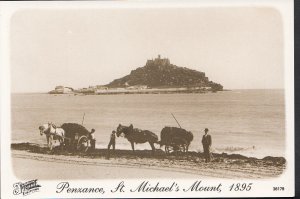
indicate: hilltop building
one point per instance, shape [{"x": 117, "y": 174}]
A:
[{"x": 158, "y": 61}]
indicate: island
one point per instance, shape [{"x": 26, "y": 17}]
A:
[{"x": 157, "y": 76}]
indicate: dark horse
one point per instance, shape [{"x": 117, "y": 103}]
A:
[{"x": 134, "y": 135}]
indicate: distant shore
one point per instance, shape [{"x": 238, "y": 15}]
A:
[
  {"x": 124, "y": 162},
  {"x": 114, "y": 91}
]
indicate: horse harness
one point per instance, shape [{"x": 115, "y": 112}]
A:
[{"x": 55, "y": 134}]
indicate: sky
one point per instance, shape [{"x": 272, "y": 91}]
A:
[{"x": 238, "y": 47}]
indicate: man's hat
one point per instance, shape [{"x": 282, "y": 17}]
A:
[
  {"x": 206, "y": 129},
  {"x": 93, "y": 130}
]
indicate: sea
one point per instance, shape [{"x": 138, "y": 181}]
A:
[{"x": 247, "y": 122}]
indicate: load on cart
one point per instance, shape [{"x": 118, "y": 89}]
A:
[
  {"x": 77, "y": 137},
  {"x": 175, "y": 139}
]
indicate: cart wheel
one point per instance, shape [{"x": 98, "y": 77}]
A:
[
  {"x": 183, "y": 148},
  {"x": 169, "y": 149},
  {"x": 83, "y": 144}
]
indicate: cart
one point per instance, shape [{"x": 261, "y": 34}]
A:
[
  {"x": 76, "y": 137},
  {"x": 175, "y": 139},
  {"x": 176, "y": 144}
]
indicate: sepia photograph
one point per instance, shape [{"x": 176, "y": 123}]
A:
[{"x": 146, "y": 91}]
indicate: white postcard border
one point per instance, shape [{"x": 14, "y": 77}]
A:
[{"x": 48, "y": 188}]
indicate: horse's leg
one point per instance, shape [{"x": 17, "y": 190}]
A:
[
  {"x": 50, "y": 141},
  {"x": 61, "y": 143},
  {"x": 132, "y": 145}
]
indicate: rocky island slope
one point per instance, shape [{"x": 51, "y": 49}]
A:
[{"x": 160, "y": 73}]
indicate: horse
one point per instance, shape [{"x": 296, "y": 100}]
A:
[
  {"x": 134, "y": 135},
  {"x": 52, "y": 133}
]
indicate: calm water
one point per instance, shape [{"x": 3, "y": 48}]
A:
[{"x": 238, "y": 120}]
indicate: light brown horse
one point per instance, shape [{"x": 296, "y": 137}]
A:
[{"x": 134, "y": 135}]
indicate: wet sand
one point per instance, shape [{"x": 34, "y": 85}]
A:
[
  {"x": 34, "y": 161},
  {"x": 83, "y": 168}
]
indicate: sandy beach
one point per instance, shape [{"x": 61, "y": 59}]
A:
[{"x": 141, "y": 164}]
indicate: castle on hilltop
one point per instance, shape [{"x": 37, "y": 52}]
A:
[{"x": 158, "y": 61}]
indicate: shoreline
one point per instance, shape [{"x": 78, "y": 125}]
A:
[
  {"x": 181, "y": 164},
  {"x": 146, "y": 91}
]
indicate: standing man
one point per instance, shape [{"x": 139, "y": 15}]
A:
[
  {"x": 206, "y": 142},
  {"x": 92, "y": 139},
  {"x": 112, "y": 141}
]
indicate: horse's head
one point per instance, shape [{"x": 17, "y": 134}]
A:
[
  {"x": 120, "y": 130},
  {"x": 43, "y": 128},
  {"x": 123, "y": 129}
]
